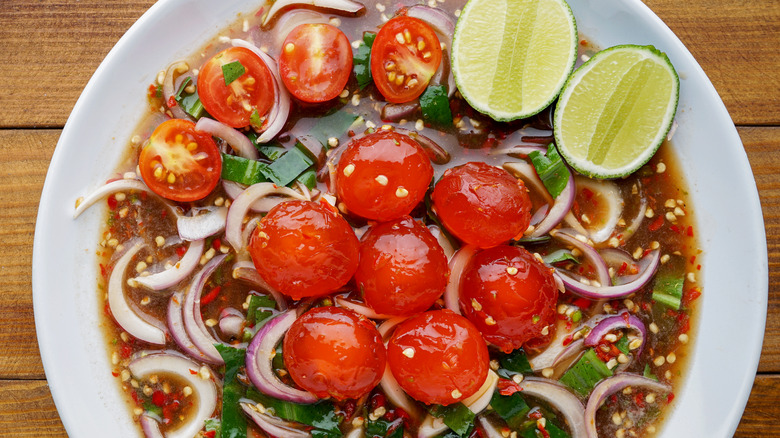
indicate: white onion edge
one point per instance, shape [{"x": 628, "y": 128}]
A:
[
  {"x": 176, "y": 273},
  {"x": 269, "y": 424},
  {"x": 589, "y": 252},
  {"x": 457, "y": 265},
  {"x": 561, "y": 399},
  {"x": 237, "y": 141},
  {"x": 203, "y": 225},
  {"x": 348, "y": 6},
  {"x": 108, "y": 189},
  {"x": 245, "y": 270},
  {"x": 360, "y": 309},
  {"x": 192, "y": 317}
]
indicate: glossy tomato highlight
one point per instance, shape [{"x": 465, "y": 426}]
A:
[
  {"x": 304, "y": 249},
  {"x": 510, "y": 296}
]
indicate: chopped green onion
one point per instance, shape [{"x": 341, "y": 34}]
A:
[
  {"x": 258, "y": 310},
  {"x": 586, "y": 373},
  {"x": 308, "y": 178},
  {"x": 516, "y": 362},
  {"x": 158, "y": 92},
  {"x": 232, "y": 71},
  {"x": 289, "y": 166},
  {"x": 456, "y": 416},
  {"x": 192, "y": 105},
  {"x": 380, "y": 428},
  {"x": 513, "y": 408},
  {"x": 333, "y": 125},
  {"x": 561, "y": 255},
  {"x": 361, "y": 62},
  {"x": 255, "y": 119},
  {"x": 233, "y": 423},
  {"x": 183, "y": 85},
  {"x": 668, "y": 291},
  {"x": 321, "y": 415},
  {"x": 243, "y": 170},
  {"x": 649, "y": 374},
  {"x": 435, "y": 105},
  {"x": 551, "y": 170},
  {"x": 622, "y": 344},
  {"x": 272, "y": 151}
]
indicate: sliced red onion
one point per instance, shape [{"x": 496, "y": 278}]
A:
[
  {"x": 120, "y": 185},
  {"x": 262, "y": 205},
  {"x": 523, "y": 150},
  {"x": 169, "y": 91},
  {"x": 560, "y": 208},
  {"x": 615, "y": 258},
  {"x": 617, "y": 291},
  {"x": 610, "y": 194},
  {"x": 315, "y": 148},
  {"x": 193, "y": 319},
  {"x": 237, "y": 141},
  {"x": 241, "y": 205},
  {"x": 347, "y": 6},
  {"x": 245, "y": 270},
  {"x": 129, "y": 320},
  {"x": 393, "y": 112},
  {"x": 197, "y": 377},
  {"x": 539, "y": 215},
  {"x": 176, "y": 274},
  {"x": 636, "y": 221},
  {"x": 436, "y": 153},
  {"x": 527, "y": 173},
  {"x": 431, "y": 427},
  {"x": 480, "y": 400},
  {"x": 444, "y": 242},
  {"x": 150, "y": 426},
  {"x": 274, "y": 426},
  {"x": 490, "y": 430},
  {"x": 398, "y": 396},
  {"x": 361, "y": 309},
  {"x": 278, "y": 114},
  {"x": 261, "y": 352},
  {"x": 610, "y": 386},
  {"x": 178, "y": 333},
  {"x": 457, "y": 265},
  {"x": 387, "y": 326},
  {"x": 556, "y": 352},
  {"x": 561, "y": 399},
  {"x": 623, "y": 320},
  {"x": 203, "y": 225},
  {"x": 590, "y": 253},
  {"x": 231, "y": 321}
]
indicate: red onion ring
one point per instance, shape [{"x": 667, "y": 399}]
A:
[
  {"x": 398, "y": 396},
  {"x": 561, "y": 399},
  {"x": 262, "y": 205},
  {"x": 292, "y": 19},
  {"x": 431, "y": 427},
  {"x": 436, "y": 153},
  {"x": 386, "y": 327},
  {"x": 609, "y": 386},
  {"x": 360, "y": 309},
  {"x": 150, "y": 426},
  {"x": 120, "y": 185},
  {"x": 259, "y": 355},
  {"x": 239, "y": 142},
  {"x": 347, "y": 6},
  {"x": 130, "y": 321},
  {"x": 193, "y": 319},
  {"x": 444, "y": 242},
  {"x": 489, "y": 428},
  {"x": 176, "y": 274},
  {"x": 616, "y": 257},
  {"x": 203, "y": 225},
  {"x": 636, "y": 221},
  {"x": 617, "y": 291},
  {"x": 480, "y": 400},
  {"x": 169, "y": 91},
  {"x": 393, "y": 112},
  {"x": 278, "y": 114},
  {"x": 231, "y": 321},
  {"x": 204, "y": 389},
  {"x": 623, "y": 320},
  {"x": 590, "y": 253},
  {"x": 457, "y": 265},
  {"x": 272, "y": 425},
  {"x": 245, "y": 270},
  {"x": 611, "y": 194},
  {"x": 178, "y": 333}
]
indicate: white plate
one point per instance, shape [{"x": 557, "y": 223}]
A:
[{"x": 723, "y": 194}]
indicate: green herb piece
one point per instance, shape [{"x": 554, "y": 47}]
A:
[
  {"x": 183, "y": 85},
  {"x": 456, "y": 416},
  {"x": 232, "y": 71},
  {"x": 561, "y": 255},
  {"x": 551, "y": 170},
  {"x": 531, "y": 240},
  {"x": 382, "y": 428},
  {"x": 321, "y": 415},
  {"x": 153, "y": 408},
  {"x": 435, "y": 105},
  {"x": 361, "y": 62},
  {"x": 668, "y": 291},
  {"x": 333, "y": 125},
  {"x": 586, "y": 373},
  {"x": 213, "y": 424},
  {"x": 192, "y": 105},
  {"x": 259, "y": 308},
  {"x": 516, "y": 362},
  {"x": 308, "y": 178},
  {"x": 272, "y": 151},
  {"x": 233, "y": 419},
  {"x": 648, "y": 373},
  {"x": 255, "y": 119},
  {"x": 289, "y": 166},
  {"x": 576, "y": 316},
  {"x": 622, "y": 344},
  {"x": 158, "y": 92},
  {"x": 555, "y": 431},
  {"x": 513, "y": 408},
  {"x": 243, "y": 170}
]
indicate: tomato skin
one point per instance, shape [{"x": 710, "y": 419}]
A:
[
  {"x": 234, "y": 104},
  {"x": 481, "y": 204},
  {"x": 402, "y": 268},
  {"x": 383, "y": 176},
  {"x": 303, "y": 249},
  {"x": 449, "y": 357},
  {"x": 168, "y": 165},
  {"x": 509, "y": 301},
  {"x": 334, "y": 352},
  {"x": 316, "y": 62},
  {"x": 402, "y": 70}
]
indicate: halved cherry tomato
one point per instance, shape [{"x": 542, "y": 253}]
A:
[
  {"x": 315, "y": 62},
  {"x": 438, "y": 357},
  {"x": 402, "y": 268},
  {"x": 482, "y": 204},
  {"x": 303, "y": 249},
  {"x": 383, "y": 176},
  {"x": 510, "y": 296},
  {"x": 180, "y": 163},
  {"x": 405, "y": 56},
  {"x": 234, "y": 104},
  {"x": 334, "y": 352}
]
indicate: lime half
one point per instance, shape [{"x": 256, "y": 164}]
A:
[
  {"x": 511, "y": 58},
  {"x": 616, "y": 110}
]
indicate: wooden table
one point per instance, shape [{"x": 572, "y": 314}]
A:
[{"x": 52, "y": 47}]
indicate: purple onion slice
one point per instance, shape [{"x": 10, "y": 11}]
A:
[
  {"x": 150, "y": 426},
  {"x": 199, "y": 378},
  {"x": 433, "y": 426},
  {"x": 444, "y": 242},
  {"x": 457, "y": 265},
  {"x": 611, "y": 292},
  {"x": 178, "y": 333},
  {"x": 272, "y": 425},
  {"x": 261, "y": 352},
  {"x": 169, "y": 90},
  {"x": 490, "y": 429},
  {"x": 203, "y": 225},
  {"x": 623, "y": 320},
  {"x": 119, "y": 185},
  {"x": 561, "y": 399},
  {"x": 231, "y": 321},
  {"x": 360, "y": 309},
  {"x": 589, "y": 252},
  {"x": 610, "y": 386},
  {"x": 193, "y": 319},
  {"x": 346, "y": 6},
  {"x": 398, "y": 396},
  {"x": 560, "y": 206},
  {"x": 176, "y": 274},
  {"x": 245, "y": 270},
  {"x": 237, "y": 141},
  {"x": 610, "y": 194}
]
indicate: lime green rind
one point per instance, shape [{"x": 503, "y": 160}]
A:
[
  {"x": 584, "y": 165},
  {"x": 469, "y": 91}
]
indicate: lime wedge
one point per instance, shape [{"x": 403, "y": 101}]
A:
[
  {"x": 510, "y": 58},
  {"x": 616, "y": 110}
]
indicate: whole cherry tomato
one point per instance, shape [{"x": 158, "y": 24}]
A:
[
  {"x": 482, "y": 204},
  {"x": 383, "y": 175},
  {"x": 334, "y": 352},
  {"x": 402, "y": 268},
  {"x": 438, "y": 357},
  {"x": 303, "y": 249},
  {"x": 510, "y": 296},
  {"x": 180, "y": 163}
]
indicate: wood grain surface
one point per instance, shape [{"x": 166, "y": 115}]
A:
[{"x": 52, "y": 47}]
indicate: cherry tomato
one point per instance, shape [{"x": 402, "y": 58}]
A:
[
  {"x": 303, "y": 249},
  {"x": 402, "y": 268},
  {"x": 180, "y": 163},
  {"x": 334, "y": 352},
  {"x": 383, "y": 176},
  {"x": 510, "y": 296},
  {"x": 316, "y": 62},
  {"x": 405, "y": 56},
  {"x": 234, "y": 104},
  {"x": 482, "y": 204},
  {"x": 438, "y": 357}
]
